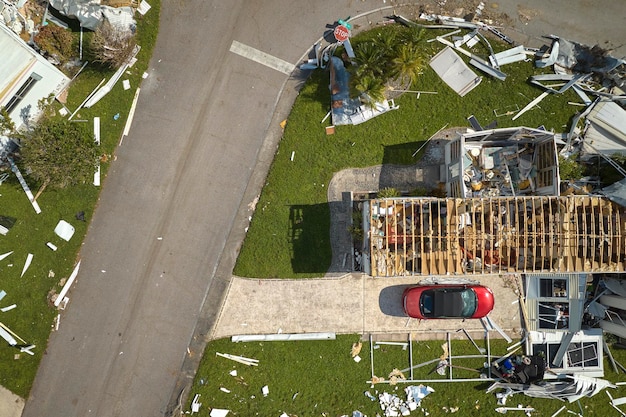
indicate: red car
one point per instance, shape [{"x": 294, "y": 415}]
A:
[{"x": 447, "y": 301}]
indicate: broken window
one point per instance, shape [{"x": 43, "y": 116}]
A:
[
  {"x": 552, "y": 287},
  {"x": 553, "y": 315},
  {"x": 583, "y": 354}
]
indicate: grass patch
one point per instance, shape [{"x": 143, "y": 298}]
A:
[
  {"x": 316, "y": 378},
  {"x": 289, "y": 233},
  {"x": 33, "y": 318}
]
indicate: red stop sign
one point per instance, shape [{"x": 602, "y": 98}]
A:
[{"x": 341, "y": 33}]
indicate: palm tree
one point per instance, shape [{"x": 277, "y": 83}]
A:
[
  {"x": 408, "y": 64},
  {"x": 387, "y": 42},
  {"x": 372, "y": 89},
  {"x": 368, "y": 59},
  {"x": 412, "y": 35}
]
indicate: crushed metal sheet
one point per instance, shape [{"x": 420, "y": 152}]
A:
[
  {"x": 606, "y": 129},
  {"x": 571, "y": 389},
  {"x": 454, "y": 72}
]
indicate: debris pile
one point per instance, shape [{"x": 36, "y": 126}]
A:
[
  {"x": 571, "y": 388},
  {"x": 394, "y": 406}
]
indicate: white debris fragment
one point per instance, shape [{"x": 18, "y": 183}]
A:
[
  {"x": 265, "y": 390},
  {"x": 233, "y": 372}
]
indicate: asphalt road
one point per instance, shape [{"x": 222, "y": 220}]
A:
[{"x": 173, "y": 209}]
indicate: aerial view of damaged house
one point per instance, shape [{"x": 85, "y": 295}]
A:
[{"x": 506, "y": 212}]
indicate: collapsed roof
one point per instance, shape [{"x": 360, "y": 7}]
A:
[{"x": 442, "y": 236}]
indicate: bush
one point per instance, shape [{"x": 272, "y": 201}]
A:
[
  {"x": 388, "y": 192},
  {"x": 111, "y": 46},
  {"x": 56, "y": 42},
  {"x": 570, "y": 168}
]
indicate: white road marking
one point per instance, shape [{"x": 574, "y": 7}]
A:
[{"x": 261, "y": 57}]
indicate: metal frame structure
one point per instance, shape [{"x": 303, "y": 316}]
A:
[
  {"x": 531, "y": 234},
  {"x": 449, "y": 363}
]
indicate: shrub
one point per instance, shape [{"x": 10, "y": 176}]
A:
[
  {"x": 111, "y": 46},
  {"x": 56, "y": 42}
]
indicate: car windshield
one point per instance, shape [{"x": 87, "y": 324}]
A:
[{"x": 448, "y": 302}]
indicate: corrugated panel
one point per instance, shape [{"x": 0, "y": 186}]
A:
[{"x": 611, "y": 117}]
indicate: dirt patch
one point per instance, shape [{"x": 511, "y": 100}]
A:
[{"x": 527, "y": 14}]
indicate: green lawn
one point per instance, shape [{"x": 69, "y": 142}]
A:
[
  {"x": 289, "y": 234},
  {"x": 319, "y": 378},
  {"x": 33, "y": 317}
]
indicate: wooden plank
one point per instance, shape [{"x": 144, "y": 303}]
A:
[
  {"x": 601, "y": 233},
  {"x": 585, "y": 235},
  {"x": 450, "y": 266},
  {"x": 431, "y": 250},
  {"x": 594, "y": 237},
  {"x": 440, "y": 240},
  {"x": 424, "y": 261},
  {"x": 609, "y": 233},
  {"x": 413, "y": 232},
  {"x": 575, "y": 236}
]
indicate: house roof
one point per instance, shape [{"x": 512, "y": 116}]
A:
[
  {"x": 16, "y": 60},
  {"x": 528, "y": 234}
]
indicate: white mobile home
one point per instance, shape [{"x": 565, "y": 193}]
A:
[{"x": 25, "y": 78}]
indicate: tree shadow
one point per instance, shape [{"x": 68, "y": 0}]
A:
[{"x": 309, "y": 237}]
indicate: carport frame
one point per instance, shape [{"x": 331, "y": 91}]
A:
[{"x": 449, "y": 358}]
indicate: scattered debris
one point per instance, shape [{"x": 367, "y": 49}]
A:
[
  {"x": 195, "y": 405},
  {"x": 64, "y": 230},
  {"x": 106, "y": 88},
  {"x": 29, "y": 259},
  {"x": 25, "y": 187},
  {"x": 504, "y": 410},
  {"x": 570, "y": 388},
  {"x": 453, "y": 71},
  {"x": 616, "y": 402},
  {"x": 392, "y": 405},
  {"x": 61, "y": 297},
  {"x": 240, "y": 359}
]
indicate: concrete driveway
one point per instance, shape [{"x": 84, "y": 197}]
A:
[
  {"x": 354, "y": 303},
  {"x": 159, "y": 253}
]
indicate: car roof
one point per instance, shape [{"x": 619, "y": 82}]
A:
[{"x": 447, "y": 303}]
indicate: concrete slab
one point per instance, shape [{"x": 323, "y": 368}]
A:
[
  {"x": 11, "y": 405},
  {"x": 354, "y": 303}
]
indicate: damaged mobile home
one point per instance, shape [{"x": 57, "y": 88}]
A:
[
  {"x": 503, "y": 214},
  {"x": 525, "y": 234}
]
